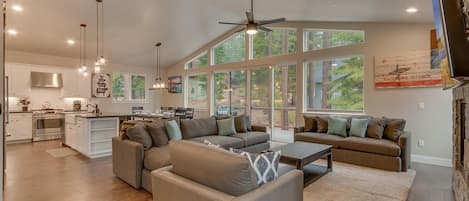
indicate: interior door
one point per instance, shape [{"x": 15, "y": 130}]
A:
[{"x": 3, "y": 107}]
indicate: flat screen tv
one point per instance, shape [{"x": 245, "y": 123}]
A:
[{"x": 452, "y": 30}]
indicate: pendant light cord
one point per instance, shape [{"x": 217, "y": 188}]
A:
[
  {"x": 102, "y": 28},
  {"x": 81, "y": 45},
  {"x": 97, "y": 30}
]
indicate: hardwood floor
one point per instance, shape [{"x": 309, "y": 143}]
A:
[{"x": 34, "y": 175}]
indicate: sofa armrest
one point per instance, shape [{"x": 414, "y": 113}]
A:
[
  {"x": 168, "y": 186},
  {"x": 127, "y": 160},
  {"x": 405, "y": 145},
  {"x": 287, "y": 187},
  {"x": 259, "y": 128},
  {"x": 299, "y": 129}
]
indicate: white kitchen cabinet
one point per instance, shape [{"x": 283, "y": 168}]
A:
[
  {"x": 72, "y": 128},
  {"x": 75, "y": 85},
  {"x": 19, "y": 128},
  {"x": 93, "y": 137},
  {"x": 19, "y": 80}
]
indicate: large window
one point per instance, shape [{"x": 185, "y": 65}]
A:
[
  {"x": 335, "y": 85},
  {"x": 197, "y": 91},
  {"x": 230, "y": 50},
  {"x": 200, "y": 61},
  {"x": 285, "y": 96},
  {"x": 316, "y": 39},
  {"x": 128, "y": 87},
  {"x": 274, "y": 43},
  {"x": 230, "y": 93}
]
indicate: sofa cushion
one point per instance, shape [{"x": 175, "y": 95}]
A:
[
  {"x": 337, "y": 126},
  {"x": 319, "y": 138},
  {"x": 216, "y": 168},
  {"x": 375, "y": 128},
  {"x": 192, "y": 128},
  {"x": 241, "y": 123},
  {"x": 158, "y": 134},
  {"x": 264, "y": 164},
  {"x": 252, "y": 138},
  {"x": 156, "y": 157},
  {"x": 370, "y": 145},
  {"x": 225, "y": 141},
  {"x": 138, "y": 133},
  {"x": 226, "y": 127},
  {"x": 322, "y": 124},
  {"x": 394, "y": 128},
  {"x": 173, "y": 130},
  {"x": 358, "y": 127},
  {"x": 310, "y": 124}
]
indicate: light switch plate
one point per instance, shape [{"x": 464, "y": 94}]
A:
[
  {"x": 421, "y": 105},
  {"x": 421, "y": 143}
]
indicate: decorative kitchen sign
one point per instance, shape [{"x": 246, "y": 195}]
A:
[
  {"x": 175, "y": 84},
  {"x": 100, "y": 85},
  {"x": 412, "y": 69}
]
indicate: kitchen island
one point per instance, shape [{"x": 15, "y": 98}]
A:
[{"x": 91, "y": 134}]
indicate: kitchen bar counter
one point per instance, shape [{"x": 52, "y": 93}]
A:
[
  {"x": 19, "y": 112},
  {"x": 102, "y": 115}
]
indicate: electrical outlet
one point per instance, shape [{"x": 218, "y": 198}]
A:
[
  {"x": 421, "y": 105},
  {"x": 421, "y": 143}
]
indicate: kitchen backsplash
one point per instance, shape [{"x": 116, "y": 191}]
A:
[{"x": 42, "y": 96}]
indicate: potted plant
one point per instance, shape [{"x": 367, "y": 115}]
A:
[{"x": 24, "y": 103}]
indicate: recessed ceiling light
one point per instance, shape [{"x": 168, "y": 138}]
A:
[
  {"x": 17, "y": 8},
  {"x": 411, "y": 10},
  {"x": 71, "y": 42},
  {"x": 12, "y": 32}
]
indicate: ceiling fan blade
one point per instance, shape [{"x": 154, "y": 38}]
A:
[
  {"x": 232, "y": 23},
  {"x": 240, "y": 29},
  {"x": 272, "y": 21},
  {"x": 264, "y": 28},
  {"x": 250, "y": 17}
]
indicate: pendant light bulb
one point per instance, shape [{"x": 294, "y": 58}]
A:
[
  {"x": 84, "y": 68},
  {"x": 102, "y": 60},
  {"x": 80, "y": 70},
  {"x": 85, "y": 74},
  {"x": 97, "y": 69}
]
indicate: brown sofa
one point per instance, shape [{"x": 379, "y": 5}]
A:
[
  {"x": 194, "y": 176},
  {"x": 133, "y": 164},
  {"x": 382, "y": 153}
]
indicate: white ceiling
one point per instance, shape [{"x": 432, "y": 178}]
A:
[{"x": 132, "y": 27}]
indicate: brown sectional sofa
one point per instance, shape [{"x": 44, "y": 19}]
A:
[
  {"x": 133, "y": 164},
  {"x": 371, "y": 152}
]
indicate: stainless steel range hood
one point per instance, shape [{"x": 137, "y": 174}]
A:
[{"x": 46, "y": 80}]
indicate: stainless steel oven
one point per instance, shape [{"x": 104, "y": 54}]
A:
[{"x": 48, "y": 126}]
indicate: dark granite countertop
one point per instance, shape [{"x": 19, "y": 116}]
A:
[
  {"x": 102, "y": 115},
  {"x": 18, "y": 112}
]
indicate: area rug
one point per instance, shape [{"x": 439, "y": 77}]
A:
[
  {"x": 61, "y": 152},
  {"x": 355, "y": 183}
]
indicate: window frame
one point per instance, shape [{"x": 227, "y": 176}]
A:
[
  {"x": 304, "y": 50},
  {"x": 208, "y": 92},
  {"x": 213, "y": 47},
  {"x": 230, "y": 84},
  {"x": 198, "y": 57},
  {"x": 251, "y": 44},
  {"x": 128, "y": 93},
  {"x": 307, "y": 110}
]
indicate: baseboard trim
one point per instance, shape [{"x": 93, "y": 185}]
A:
[{"x": 430, "y": 160}]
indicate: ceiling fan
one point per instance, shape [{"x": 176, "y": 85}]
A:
[{"x": 251, "y": 26}]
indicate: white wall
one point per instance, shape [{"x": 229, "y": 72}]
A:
[
  {"x": 433, "y": 124},
  {"x": 39, "y": 62}
]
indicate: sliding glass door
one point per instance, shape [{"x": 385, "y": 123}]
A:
[
  {"x": 261, "y": 97},
  {"x": 230, "y": 93},
  {"x": 284, "y": 97},
  {"x": 273, "y": 100}
]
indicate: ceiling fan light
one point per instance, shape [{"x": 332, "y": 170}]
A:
[{"x": 251, "y": 29}]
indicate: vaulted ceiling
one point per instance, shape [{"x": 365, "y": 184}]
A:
[{"x": 133, "y": 27}]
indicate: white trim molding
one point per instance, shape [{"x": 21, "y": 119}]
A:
[{"x": 430, "y": 160}]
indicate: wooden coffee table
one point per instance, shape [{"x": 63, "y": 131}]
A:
[{"x": 301, "y": 154}]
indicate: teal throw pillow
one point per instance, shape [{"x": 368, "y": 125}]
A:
[
  {"x": 337, "y": 126},
  {"x": 359, "y": 127},
  {"x": 226, "y": 127},
  {"x": 172, "y": 128}
]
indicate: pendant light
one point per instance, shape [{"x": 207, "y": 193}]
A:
[
  {"x": 100, "y": 60},
  {"x": 83, "y": 69},
  {"x": 159, "y": 84}
]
